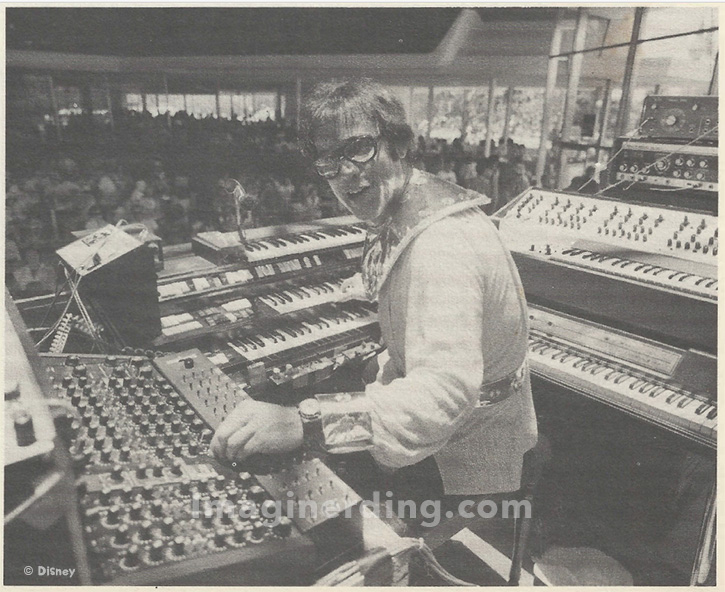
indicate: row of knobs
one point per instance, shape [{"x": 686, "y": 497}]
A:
[
  {"x": 228, "y": 532},
  {"x": 154, "y": 412},
  {"x": 159, "y": 550},
  {"x": 663, "y": 165},
  {"x": 214, "y": 486},
  {"x": 694, "y": 241}
]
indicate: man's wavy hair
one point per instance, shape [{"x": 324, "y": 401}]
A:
[{"x": 349, "y": 100}]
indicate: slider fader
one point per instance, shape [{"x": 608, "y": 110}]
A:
[{"x": 139, "y": 447}]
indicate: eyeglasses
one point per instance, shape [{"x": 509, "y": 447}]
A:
[{"x": 359, "y": 150}]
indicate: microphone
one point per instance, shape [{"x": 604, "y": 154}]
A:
[{"x": 235, "y": 189}]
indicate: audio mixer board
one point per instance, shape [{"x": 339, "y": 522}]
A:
[{"x": 139, "y": 444}]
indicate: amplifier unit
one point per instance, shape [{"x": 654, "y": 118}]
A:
[
  {"x": 116, "y": 273},
  {"x": 679, "y": 117},
  {"x": 660, "y": 165}
]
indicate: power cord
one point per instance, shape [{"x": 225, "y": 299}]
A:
[{"x": 358, "y": 572}]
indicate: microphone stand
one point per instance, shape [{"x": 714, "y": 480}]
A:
[{"x": 235, "y": 189}]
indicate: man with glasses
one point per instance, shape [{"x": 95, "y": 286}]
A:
[{"x": 450, "y": 412}]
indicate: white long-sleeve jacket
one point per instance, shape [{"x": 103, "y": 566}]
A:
[{"x": 453, "y": 316}]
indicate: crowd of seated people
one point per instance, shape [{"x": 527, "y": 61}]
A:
[
  {"x": 84, "y": 183},
  {"x": 501, "y": 176}
]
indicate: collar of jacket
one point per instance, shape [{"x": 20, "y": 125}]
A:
[{"x": 426, "y": 200}]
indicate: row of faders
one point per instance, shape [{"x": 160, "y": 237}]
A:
[{"x": 140, "y": 453}]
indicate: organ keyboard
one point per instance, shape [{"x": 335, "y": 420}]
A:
[
  {"x": 623, "y": 303},
  {"x": 226, "y": 246},
  {"x": 668, "y": 386},
  {"x": 268, "y": 311},
  {"x": 665, "y": 277},
  {"x": 297, "y": 244},
  {"x": 306, "y": 296},
  {"x": 287, "y": 271},
  {"x": 302, "y": 347},
  {"x": 268, "y": 343},
  {"x": 623, "y": 312},
  {"x": 230, "y": 310}
]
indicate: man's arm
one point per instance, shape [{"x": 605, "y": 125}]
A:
[{"x": 414, "y": 416}]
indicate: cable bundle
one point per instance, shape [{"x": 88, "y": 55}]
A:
[{"x": 367, "y": 570}]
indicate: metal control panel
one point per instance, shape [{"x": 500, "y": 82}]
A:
[
  {"x": 688, "y": 118},
  {"x": 667, "y": 165}
]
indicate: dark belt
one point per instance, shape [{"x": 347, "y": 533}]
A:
[{"x": 502, "y": 389}]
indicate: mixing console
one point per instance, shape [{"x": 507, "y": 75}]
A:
[
  {"x": 139, "y": 447},
  {"x": 211, "y": 392},
  {"x": 665, "y": 385}
]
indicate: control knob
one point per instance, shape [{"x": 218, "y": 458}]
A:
[
  {"x": 145, "y": 531},
  {"x": 121, "y": 537},
  {"x": 117, "y": 473},
  {"x": 167, "y": 526},
  {"x": 113, "y": 515},
  {"x": 131, "y": 558},
  {"x": 257, "y": 493},
  {"x": 670, "y": 120},
  {"x": 156, "y": 552},
  {"x": 135, "y": 511},
  {"x": 24, "y": 430},
  {"x": 178, "y": 545},
  {"x": 283, "y": 528}
]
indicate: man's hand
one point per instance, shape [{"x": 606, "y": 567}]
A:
[
  {"x": 352, "y": 289},
  {"x": 256, "y": 427}
]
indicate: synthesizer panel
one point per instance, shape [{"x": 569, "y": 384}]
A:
[
  {"x": 670, "y": 117},
  {"x": 679, "y": 234},
  {"x": 139, "y": 444},
  {"x": 623, "y": 292},
  {"x": 667, "y": 165},
  {"x": 651, "y": 269}
]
